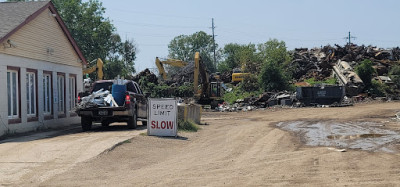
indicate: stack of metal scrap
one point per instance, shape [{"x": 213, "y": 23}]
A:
[
  {"x": 318, "y": 62},
  {"x": 150, "y": 77},
  {"x": 97, "y": 99}
]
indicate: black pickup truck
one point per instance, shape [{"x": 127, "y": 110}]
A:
[{"x": 134, "y": 107}]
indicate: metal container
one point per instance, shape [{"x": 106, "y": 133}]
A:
[{"x": 323, "y": 95}]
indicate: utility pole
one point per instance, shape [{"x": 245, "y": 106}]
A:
[
  {"x": 349, "y": 38},
  {"x": 213, "y": 36}
]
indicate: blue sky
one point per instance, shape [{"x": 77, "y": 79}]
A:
[
  {"x": 152, "y": 24},
  {"x": 300, "y": 23}
]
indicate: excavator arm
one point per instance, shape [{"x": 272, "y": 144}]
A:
[
  {"x": 200, "y": 69},
  {"x": 172, "y": 62},
  {"x": 98, "y": 67}
]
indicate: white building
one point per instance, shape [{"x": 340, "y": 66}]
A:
[{"x": 40, "y": 68}]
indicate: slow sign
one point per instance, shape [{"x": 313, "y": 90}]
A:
[{"x": 162, "y": 119}]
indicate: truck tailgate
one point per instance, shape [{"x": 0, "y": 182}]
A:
[{"x": 102, "y": 111}]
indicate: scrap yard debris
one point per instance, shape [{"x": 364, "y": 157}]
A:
[
  {"x": 99, "y": 98},
  {"x": 146, "y": 74},
  {"x": 347, "y": 77},
  {"x": 318, "y": 62}
]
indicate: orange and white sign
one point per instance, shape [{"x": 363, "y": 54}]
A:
[{"x": 162, "y": 117}]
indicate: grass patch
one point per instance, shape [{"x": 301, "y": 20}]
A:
[
  {"x": 124, "y": 142},
  {"x": 143, "y": 134},
  {"x": 329, "y": 81},
  {"x": 189, "y": 126},
  {"x": 237, "y": 93}
]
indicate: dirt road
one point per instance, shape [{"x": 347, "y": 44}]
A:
[
  {"x": 239, "y": 149},
  {"x": 29, "y": 160}
]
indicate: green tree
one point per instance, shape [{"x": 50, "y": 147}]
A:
[
  {"x": 88, "y": 26},
  {"x": 95, "y": 36},
  {"x": 365, "y": 71},
  {"x": 184, "y": 47},
  {"x": 120, "y": 60},
  {"x": 231, "y": 54},
  {"x": 240, "y": 56},
  {"x": 273, "y": 76},
  {"x": 274, "y": 51}
]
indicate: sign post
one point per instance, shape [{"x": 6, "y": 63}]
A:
[{"x": 162, "y": 117}]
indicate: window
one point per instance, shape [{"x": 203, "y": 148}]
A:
[
  {"x": 138, "y": 88},
  {"x": 12, "y": 94},
  {"x": 31, "y": 93},
  {"x": 47, "y": 94},
  {"x": 72, "y": 92},
  {"x": 102, "y": 85},
  {"x": 61, "y": 93},
  {"x": 130, "y": 87}
]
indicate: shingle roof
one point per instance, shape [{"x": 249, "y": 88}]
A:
[{"x": 12, "y": 14}]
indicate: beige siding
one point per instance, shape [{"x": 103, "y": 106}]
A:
[{"x": 43, "y": 39}]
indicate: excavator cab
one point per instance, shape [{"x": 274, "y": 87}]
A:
[{"x": 216, "y": 90}]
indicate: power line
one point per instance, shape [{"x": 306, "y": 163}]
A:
[
  {"x": 162, "y": 26},
  {"x": 154, "y": 14},
  {"x": 146, "y": 34}
]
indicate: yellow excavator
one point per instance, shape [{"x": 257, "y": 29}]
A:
[
  {"x": 87, "y": 83},
  {"x": 98, "y": 67},
  {"x": 210, "y": 92},
  {"x": 172, "y": 62},
  {"x": 238, "y": 75}
]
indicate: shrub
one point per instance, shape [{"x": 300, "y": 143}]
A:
[
  {"x": 188, "y": 126},
  {"x": 394, "y": 74},
  {"x": 238, "y": 93},
  {"x": 365, "y": 71},
  {"x": 273, "y": 78},
  {"x": 249, "y": 83},
  {"x": 378, "y": 89}
]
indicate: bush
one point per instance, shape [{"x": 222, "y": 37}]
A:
[
  {"x": 394, "y": 74},
  {"x": 238, "y": 93},
  {"x": 249, "y": 83},
  {"x": 273, "y": 78},
  {"x": 378, "y": 89},
  {"x": 365, "y": 71},
  {"x": 187, "y": 126},
  {"x": 184, "y": 91}
]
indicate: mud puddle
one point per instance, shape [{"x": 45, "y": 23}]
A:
[{"x": 366, "y": 136}]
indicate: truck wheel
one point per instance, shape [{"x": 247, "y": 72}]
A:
[
  {"x": 144, "y": 123},
  {"x": 86, "y": 123},
  {"x": 132, "y": 122}
]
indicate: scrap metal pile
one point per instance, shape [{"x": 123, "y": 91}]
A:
[
  {"x": 267, "y": 99},
  {"x": 97, "y": 99},
  {"x": 185, "y": 74},
  {"x": 104, "y": 97},
  {"x": 148, "y": 75},
  {"x": 318, "y": 62}
]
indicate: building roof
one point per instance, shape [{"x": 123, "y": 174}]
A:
[{"x": 14, "y": 15}]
